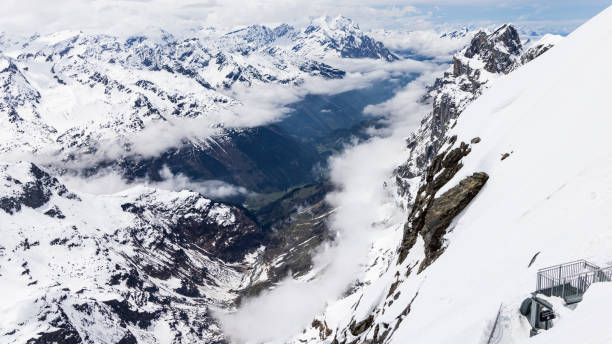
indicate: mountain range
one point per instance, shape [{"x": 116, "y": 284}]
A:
[
  {"x": 139, "y": 103},
  {"x": 504, "y": 174}
]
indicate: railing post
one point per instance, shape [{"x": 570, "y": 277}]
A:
[{"x": 563, "y": 290}]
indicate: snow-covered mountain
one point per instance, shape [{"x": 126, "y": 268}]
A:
[
  {"x": 506, "y": 174},
  {"x": 340, "y": 35},
  {"x": 147, "y": 265},
  {"x": 519, "y": 183},
  {"x": 69, "y": 94},
  {"x": 144, "y": 265}
]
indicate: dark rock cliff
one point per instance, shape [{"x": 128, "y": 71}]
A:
[{"x": 432, "y": 214}]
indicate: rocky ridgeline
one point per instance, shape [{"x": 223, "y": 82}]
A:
[
  {"x": 486, "y": 58},
  {"x": 432, "y": 213},
  {"x": 429, "y": 219},
  {"x": 427, "y": 183}
]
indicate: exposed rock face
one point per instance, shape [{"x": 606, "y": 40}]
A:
[
  {"x": 33, "y": 188},
  {"x": 444, "y": 209},
  {"x": 431, "y": 215},
  {"x": 534, "y": 52},
  {"x": 224, "y": 231},
  {"x": 360, "y": 327},
  {"x": 498, "y": 50},
  {"x": 430, "y": 218}
]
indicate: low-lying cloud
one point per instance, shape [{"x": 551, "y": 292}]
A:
[
  {"x": 255, "y": 106},
  {"x": 428, "y": 43},
  {"x": 362, "y": 207},
  {"x": 108, "y": 182},
  {"x": 262, "y": 105}
]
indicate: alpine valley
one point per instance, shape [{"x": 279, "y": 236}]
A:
[{"x": 152, "y": 186}]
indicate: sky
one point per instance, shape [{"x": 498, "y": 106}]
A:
[{"x": 121, "y": 16}]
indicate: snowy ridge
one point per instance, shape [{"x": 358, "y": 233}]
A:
[
  {"x": 474, "y": 69},
  {"x": 544, "y": 200},
  {"x": 340, "y": 35}
]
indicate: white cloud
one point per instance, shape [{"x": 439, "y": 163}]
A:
[
  {"x": 258, "y": 106},
  {"x": 119, "y": 16},
  {"x": 108, "y": 182},
  {"x": 362, "y": 206},
  {"x": 423, "y": 42}
]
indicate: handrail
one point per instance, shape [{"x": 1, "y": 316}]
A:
[
  {"x": 566, "y": 270},
  {"x": 571, "y": 280},
  {"x": 564, "y": 264}
]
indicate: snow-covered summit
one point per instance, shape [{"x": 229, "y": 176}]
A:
[
  {"x": 339, "y": 22},
  {"x": 457, "y": 33},
  {"x": 340, "y": 35}
]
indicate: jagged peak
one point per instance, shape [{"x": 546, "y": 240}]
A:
[
  {"x": 282, "y": 29},
  {"x": 508, "y": 35},
  {"x": 458, "y": 33},
  {"x": 497, "y": 50},
  {"x": 505, "y": 28},
  {"x": 338, "y": 22}
]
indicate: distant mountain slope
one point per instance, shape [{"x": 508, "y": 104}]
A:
[
  {"x": 94, "y": 101},
  {"x": 340, "y": 35}
]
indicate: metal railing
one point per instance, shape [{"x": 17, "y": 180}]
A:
[{"x": 571, "y": 280}]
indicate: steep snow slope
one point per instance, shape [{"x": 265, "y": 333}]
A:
[
  {"x": 537, "y": 142},
  {"x": 591, "y": 313},
  {"x": 550, "y": 195},
  {"x": 487, "y": 58}
]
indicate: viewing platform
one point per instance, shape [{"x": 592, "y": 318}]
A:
[{"x": 571, "y": 280}]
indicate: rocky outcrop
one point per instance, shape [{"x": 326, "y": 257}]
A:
[
  {"x": 442, "y": 212},
  {"x": 534, "y": 52},
  {"x": 432, "y": 213},
  {"x": 498, "y": 50},
  {"x": 33, "y": 188}
]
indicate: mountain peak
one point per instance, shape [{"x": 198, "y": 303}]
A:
[
  {"x": 497, "y": 50},
  {"x": 338, "y": 22}
]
